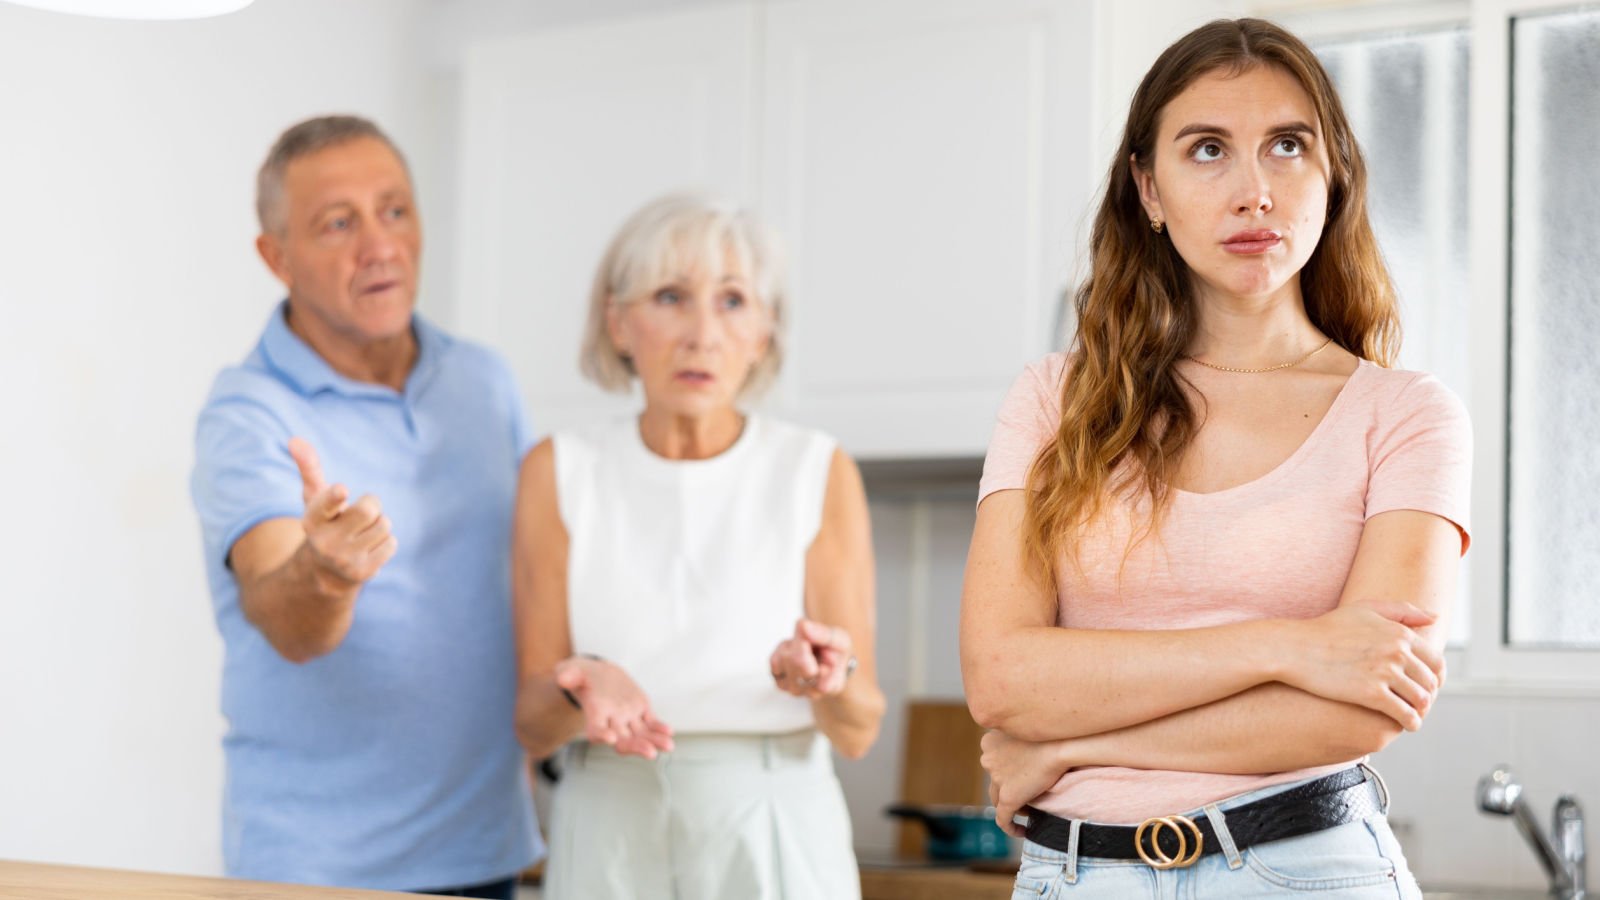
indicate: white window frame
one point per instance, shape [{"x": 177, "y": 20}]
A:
[{"x": 1486, "y": 664}]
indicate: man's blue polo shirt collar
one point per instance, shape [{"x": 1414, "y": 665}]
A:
[{"x": 301, "y": 367}]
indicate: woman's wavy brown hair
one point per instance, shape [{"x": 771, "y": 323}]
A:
[{"x": 1125, "y": 420}]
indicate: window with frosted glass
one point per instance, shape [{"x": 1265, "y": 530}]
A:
[
  {"x": 1406, "y": 97},
  {"x": 1553, "y": 596}
]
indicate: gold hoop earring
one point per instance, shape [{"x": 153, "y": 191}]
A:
[{"x": 1157, "y": 225}]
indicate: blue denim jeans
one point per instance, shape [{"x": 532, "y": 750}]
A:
[{"x": 1353, "y": 861}]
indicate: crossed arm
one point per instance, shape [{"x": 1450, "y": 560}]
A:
[{"x": 1328, "y": 689}]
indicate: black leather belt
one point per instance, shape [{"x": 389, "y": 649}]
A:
[{"x": 1169, "y": 842}]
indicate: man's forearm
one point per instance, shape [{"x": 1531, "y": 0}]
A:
[{"x": 302, "y": 609}]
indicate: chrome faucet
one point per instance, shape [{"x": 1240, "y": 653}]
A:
[{"x": 1561, "y": 853}]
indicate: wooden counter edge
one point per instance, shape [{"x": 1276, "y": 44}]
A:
[
  {"x": 934, "y": 884},
  {"x": 50, "y": 881}
]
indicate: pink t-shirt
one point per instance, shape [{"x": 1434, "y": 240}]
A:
[{"x": 1276, "y": 547}]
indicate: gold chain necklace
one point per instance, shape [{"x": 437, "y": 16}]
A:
[{"x": 1287, "y": 365}]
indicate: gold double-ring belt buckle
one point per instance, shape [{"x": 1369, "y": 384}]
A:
[{"x": 1156, "y": 857}]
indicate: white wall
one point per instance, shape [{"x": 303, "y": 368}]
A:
[
  {"x": 127, "y": 278},
  {"x": 1548, "y": 738}
]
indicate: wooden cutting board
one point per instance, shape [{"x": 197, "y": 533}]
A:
[{"x": 939, "y": 764}]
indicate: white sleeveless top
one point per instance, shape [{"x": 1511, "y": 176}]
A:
[{"x": 687, "y": 573}]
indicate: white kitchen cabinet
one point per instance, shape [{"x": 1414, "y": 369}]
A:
[
  {"x": 564, "y": 133},
  {"x": 925, "y": 163}
]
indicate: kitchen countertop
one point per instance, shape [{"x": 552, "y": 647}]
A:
[
  {"x": 933, "y": 883},
  {"x": 40, "y": 881},
  {"x": 901, "y": 879}
]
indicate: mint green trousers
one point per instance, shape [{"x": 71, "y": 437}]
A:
[{"x": 722, "y": 817}]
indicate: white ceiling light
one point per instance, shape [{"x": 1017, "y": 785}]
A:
[{"x": 140, "y": 9}]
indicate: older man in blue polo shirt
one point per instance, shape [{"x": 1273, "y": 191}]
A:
[{"x": 354, "y": 478}]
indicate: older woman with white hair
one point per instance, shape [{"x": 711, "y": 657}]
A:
[{"x": 694, "y": 600}]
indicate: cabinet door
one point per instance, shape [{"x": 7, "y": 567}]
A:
[
  {"x": 565, "y": 133},
  {"x": 927, "y": 164}
]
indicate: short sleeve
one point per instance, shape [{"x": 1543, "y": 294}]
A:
[
  {"x": 243, "y": 474},
  {"x": 1422, "y": 458},
  {"x": 523, "y": 434},
  {"x": 1028, "y": 419}
]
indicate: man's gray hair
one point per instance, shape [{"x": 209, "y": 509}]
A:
[{"x": 304, "y": 139}]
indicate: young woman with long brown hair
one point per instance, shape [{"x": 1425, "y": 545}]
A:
[{"x": 1217, "y": 538}]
